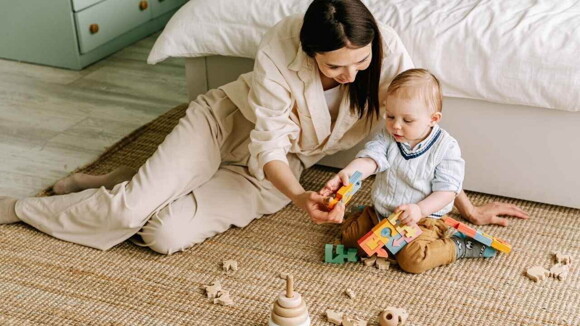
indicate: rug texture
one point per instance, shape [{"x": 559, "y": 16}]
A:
[{"x": 51, "y": 282}]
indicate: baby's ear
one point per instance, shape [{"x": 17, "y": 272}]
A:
[{"x": 436, "y": 117}]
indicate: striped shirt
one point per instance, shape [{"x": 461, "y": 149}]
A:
[{"x": 407, "y": 176}]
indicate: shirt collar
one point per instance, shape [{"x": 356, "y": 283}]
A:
[{"x": 423, "y": 143}]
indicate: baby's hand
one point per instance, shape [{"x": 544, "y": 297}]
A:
[
  {"x": 411, "y": 213},
  {"x": 332, "y": 186}
]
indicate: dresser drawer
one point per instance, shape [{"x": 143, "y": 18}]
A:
[
  {"x": 79, "y": 5},
  {"x": 106, "y": 20},
  {"x": 159, "y": 7}
]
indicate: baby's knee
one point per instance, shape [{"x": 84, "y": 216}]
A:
[{"x": 411, "y": 260}]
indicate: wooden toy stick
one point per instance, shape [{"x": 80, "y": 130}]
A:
[{"x": 290, "y": 286}]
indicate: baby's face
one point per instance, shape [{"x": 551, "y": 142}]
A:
[{"x": 409, "y": 120}]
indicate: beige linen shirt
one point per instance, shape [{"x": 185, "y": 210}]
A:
[{"x": 284, "y": 98}]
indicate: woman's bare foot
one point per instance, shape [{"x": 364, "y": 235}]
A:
[
  {"x": 7, "y": 212},
  {"x": 80, "y": 181}
]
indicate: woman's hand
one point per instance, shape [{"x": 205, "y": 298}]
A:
[
  {"x": 314, "y": 204},
  {"x": 411, "y": 213},
  {"x": 332, "y": 186},
  {"x": 489, "y": 213}
]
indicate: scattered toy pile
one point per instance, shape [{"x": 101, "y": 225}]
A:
[
  {"x": 218, "y": 295},
  {"x": 558, "y": 271}
]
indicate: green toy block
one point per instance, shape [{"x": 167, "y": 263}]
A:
[{"x": 339, "y": 256}]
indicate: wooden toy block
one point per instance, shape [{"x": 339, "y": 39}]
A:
[
  {"x": 393, "y": 316},
  {"x": 451, "y": 222},
  {"x": 334, "y": 317},
  {"x": 223, "y": 298},
  {"x": 345, "y": 193},
  {"x": 382, "y": 263},
  {"x": 339, "y": 256},
  {"x": 395, "y": 244},
  {"x": 385, "y": 230},
  {"x": 212, "y": 290},
  {"x": 467, "y": 230},
  {"x": 394, "y": 218},
  {"x": 501, "y": 245},
  {"x": 371, "y": 244},
  {"x": 411, "y": 235},
  {"x": 479, "y": 236},
  {"x": 348, "y": 321},
  {"x": 537, "y": 273},
  {"x": 369, "y": 261},
  {"x": 230, "y": 265},
  {"x": 483, "y": 238},
  {"x": 559, "y": 271},
  {"x": 350, "y": 293},
  {"x": 563, "y": 258}
]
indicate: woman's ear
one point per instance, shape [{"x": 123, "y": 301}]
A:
[{"x": 436, "y": 117}]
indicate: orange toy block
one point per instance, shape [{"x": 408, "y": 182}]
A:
[
  {"x": 372, "y": 244},
  {"x": 345, "y": 193},
  {"x": 466, "y": 229},
  {"x": 451, "y": 222}
]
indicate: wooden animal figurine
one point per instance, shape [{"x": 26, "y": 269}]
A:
[
  {"x": 289, "y": 309},
  {"x": 393, "y": 316},
  {"x": 537, "y": 273}
]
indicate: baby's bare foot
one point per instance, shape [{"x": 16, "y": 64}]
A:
[{"x": 7, "y": 212}]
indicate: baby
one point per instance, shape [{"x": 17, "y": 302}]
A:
[{"x": 419, "y": 172}]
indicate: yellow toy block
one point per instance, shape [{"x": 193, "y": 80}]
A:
[
  {"x": 501, "y": 245},
  {"x": 345, "y": 193},
  {"x": 371, "y": 244},
  {"x": 380, "y": 230}
]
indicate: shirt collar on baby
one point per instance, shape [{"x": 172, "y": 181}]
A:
[{"x": 422, "y": 147}]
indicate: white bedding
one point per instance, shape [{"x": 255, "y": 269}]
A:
[{"x": 516, "y": 52}]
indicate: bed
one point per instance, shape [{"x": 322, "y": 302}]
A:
[{"x": 510, "y": 73}]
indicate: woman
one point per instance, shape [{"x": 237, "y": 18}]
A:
[{"x": 240, "y": 149}]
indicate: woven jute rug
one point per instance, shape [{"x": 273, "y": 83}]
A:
[{"x": 52, "y": 282}]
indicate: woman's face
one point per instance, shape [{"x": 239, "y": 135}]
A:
[{"x": 343, "y": 64}]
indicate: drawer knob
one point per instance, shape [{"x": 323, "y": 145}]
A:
[
  {"x": 94, "y": 28},
  {"x": 143, "y": 5}
]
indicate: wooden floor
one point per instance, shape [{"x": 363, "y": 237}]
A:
[{"x": 55, "y": 120}]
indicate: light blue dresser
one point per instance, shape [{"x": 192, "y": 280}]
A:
[{"x": 75, "y": 33}]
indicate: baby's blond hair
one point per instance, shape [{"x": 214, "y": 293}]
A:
[{"x": 418, "y": 82}]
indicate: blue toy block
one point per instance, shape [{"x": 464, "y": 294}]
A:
[
  {"x": 480, "y": 237},
  {"x": 395, "y": 244}
]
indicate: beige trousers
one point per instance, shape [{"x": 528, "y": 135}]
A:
[{"x": 194, "y": 186}]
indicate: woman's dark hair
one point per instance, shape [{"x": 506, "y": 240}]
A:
[{"x": 333, "y": 24}]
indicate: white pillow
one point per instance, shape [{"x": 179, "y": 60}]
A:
[
  {"x": 221, "y": 27},
  {"x": 516, "y": 52}
]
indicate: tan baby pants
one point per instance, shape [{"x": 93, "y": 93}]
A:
[
  {"x": 429, "y": 250},
  {"x": 194, "y": 186}
]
